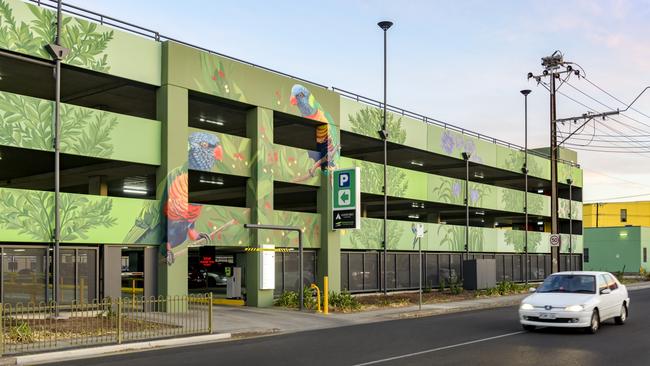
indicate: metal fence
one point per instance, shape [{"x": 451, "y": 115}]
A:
[{"x": 29, "y": 328}]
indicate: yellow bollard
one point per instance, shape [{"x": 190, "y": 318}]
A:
[
  {"x": 326, "y": 295},
  {"x": 313, "y": 286}
]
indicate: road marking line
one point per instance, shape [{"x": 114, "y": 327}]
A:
[{"x": 438, "y": 349}]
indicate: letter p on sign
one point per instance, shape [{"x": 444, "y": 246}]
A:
[{"x": 344, "y": 180}]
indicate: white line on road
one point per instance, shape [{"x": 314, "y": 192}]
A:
[{"x": 437, "y": 349}]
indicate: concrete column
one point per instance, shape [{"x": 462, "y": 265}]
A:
[
  {"x": 172, "y": 111},
  {"x": 329, "y": 255},
  {"x": 259, "y": 198},
  {"x": 112, "y": 271}
]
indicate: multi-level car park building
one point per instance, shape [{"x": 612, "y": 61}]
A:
[{"x": 167, "y": 149}]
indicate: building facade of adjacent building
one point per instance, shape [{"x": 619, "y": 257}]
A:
[
  {"x": 617, "y": 249},
  {"x": 610, "y": 214},
  {"x": 168, "y": 150}
]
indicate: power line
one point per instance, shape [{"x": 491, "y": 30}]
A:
[
  {"x": 619, "y": 197},
  {"x": 613, "y": 97}
]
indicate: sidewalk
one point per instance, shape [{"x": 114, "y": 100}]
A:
[{"x": 244, "y": 322}]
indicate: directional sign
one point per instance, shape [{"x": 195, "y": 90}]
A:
[
  {"x": 556, "y": 240},
  {"x": 346, "y": 198}
]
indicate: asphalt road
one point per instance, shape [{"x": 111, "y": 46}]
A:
[{"x": 487, "y": 337}]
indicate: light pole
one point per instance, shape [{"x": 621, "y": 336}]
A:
[
  {"x": 466, "y": 157},
  {"x": 385, "y": 25},
  {"x": 525, "y": 93},
  {"x": 570, "y": 183}
]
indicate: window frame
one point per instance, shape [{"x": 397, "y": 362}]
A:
[{"x": 623, "y": 215}]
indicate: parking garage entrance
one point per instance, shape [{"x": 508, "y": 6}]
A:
[{"x": 220, "y": 271}]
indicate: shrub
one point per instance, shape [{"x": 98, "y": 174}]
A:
[
  {"x": 288, "y": 299},
  {"x": 21, "y": 333},
  {"x": 455, "y": 286},
  {"x": 343, "y": 301},
  {"x": 443, "y": 283}
]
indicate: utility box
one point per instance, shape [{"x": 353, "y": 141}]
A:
[
  {"x": 233, "y": 284},
  {"x": 479, "y": 274}
]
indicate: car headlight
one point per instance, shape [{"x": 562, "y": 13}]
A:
[
  {"x": 527, "y": 307},
  {"x": 574, "y": 308}
]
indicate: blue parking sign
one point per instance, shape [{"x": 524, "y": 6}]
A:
[{"x": 344, "y": 180}]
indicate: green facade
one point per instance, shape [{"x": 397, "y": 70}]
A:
[
  {"x": 617, "y": 249},
  {"x": 172, "y": 147}
]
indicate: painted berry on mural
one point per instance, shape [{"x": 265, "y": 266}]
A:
[{"x": 204, "y": 151}]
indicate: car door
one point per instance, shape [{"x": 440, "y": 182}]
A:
[
  {"x": 607, "y": 301},
  {"x": 619, "y": 295}
]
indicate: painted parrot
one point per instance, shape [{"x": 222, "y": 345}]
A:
[
  {"x": 204, "y": 151},
  {"x": 326, "y": 148}
]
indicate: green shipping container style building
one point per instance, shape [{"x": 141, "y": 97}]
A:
[
  {"x": 167, "y": 150},
  {"x": 617, "y": 249}
]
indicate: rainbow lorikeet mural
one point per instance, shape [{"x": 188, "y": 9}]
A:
[
  {"x": 205, "y": 151},
  {"x": 327, "y": 149}
]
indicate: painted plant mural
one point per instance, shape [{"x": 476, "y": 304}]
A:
[
  {"x": 368, "y": 121},
  {"x": 31, "y": 213},
  {"x": 87, "y": 45},
  {"x": 27, "y": 122},
  {"x": 453, "y": 143}
]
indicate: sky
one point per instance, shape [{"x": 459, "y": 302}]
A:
[{"x": 460, "y": 62}]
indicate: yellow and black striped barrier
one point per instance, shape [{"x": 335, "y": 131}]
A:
[{"x": 283, "y": 250}]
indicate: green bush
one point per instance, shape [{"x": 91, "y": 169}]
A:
[
  {"x": 21, "y": 333},
  {"x": 343, "y": 301},
  {"x": 455, "y": 286},
  {"x": 288, "y": 299},
  {"x": 443, "y": 284}
]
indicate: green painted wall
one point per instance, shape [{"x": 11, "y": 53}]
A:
[
  {"x": 366, "y": 120},
  {"x": 27, "y": 216},
  {"x": 442, "y": 237},
  {"x": 611, "y": 249},
  {"x": 27, "y": 122},
  {"x": 26, "y": 28}
]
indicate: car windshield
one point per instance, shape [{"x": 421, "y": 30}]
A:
[{"x": 582, "y": 284}]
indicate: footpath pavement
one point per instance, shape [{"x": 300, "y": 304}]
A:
[{"x": 244, "y": 322}]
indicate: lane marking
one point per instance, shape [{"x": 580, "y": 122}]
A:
[{"x": 438, "y": 349}]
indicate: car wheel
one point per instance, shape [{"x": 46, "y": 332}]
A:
[
  {"x": 528, "y": 328},
  {"x": 620, "y": 320},
  {"x": 594, "y": 324}
]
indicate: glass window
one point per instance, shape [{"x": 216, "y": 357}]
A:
[
  {"x": 403, "y": 271},
  {"x": 623, "y": 215},
  {"x": 443, "y": 268},
  {"x": 455, "y": 265},
  {"x": 415, "y": 274},
  {"x": 344, "y": 272},
  {"x": 67, "y": 279},
  {"x": 603, "y": 283},
  {"x": 518, "y": 268},
  {"x": 611, "y": 282},
  {"x": 370, "y": 280},
  {"x": 291, "y": 268},
  {"x": 356, "y": 271},
  {"x": 87, "y": 260},
  {"x": 507, "y": 267},
  {"x": 585, "y": 254},
  {"x": 24, "y": 275},
  {"x": 569, "y": 284},
  {"x": 390, "y": 271},
  {"x": 431, "y": 270},
  {"x": 499, "y": 260},
  {"x": 279, "y": 286}
]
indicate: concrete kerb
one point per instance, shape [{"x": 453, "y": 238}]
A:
[{"x": 76, "y": 354}]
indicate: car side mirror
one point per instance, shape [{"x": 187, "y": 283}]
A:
[
  {"x": 605, "y": 291},
  {"x": 532, "y": 289}
]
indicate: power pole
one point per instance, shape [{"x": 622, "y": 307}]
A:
[{"x": 554, "y": 67}]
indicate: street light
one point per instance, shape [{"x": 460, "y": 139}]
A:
[
  {"x": 385, "y": 25},
  {"x": 466, "y": 157},
  {"x": 525, "y": 93}
]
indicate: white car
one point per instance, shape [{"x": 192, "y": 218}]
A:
[{"x": 575, "y": 300}]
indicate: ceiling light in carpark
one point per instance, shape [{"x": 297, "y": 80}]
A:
[
  {"x": 540, "y": 190},
  {"x": 540, "y": 223},
  {"x": 206, "y": 120},
  {"x": 480, "y": 213},
  {"x": 216, "y": 181},
  {"x": 135, "y": 190},
  {"x": 417, "y": 163},
  {"x": 479, "y": 175},
  {"x": 414, "y": 216}
]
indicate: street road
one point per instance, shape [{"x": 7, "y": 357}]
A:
[{"x": 487, "y": 337}]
